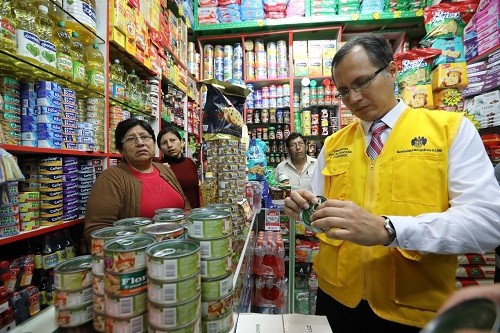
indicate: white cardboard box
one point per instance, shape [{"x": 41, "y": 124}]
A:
[{"x": 287, "y": 323}]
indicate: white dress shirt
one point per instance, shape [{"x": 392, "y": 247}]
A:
[
  {"x": 472, "y": 223},
  {"x": 297, "y": 179}
]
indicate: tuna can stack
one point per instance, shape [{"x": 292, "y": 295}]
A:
[
  {"x": 213, "y": 231},
  {"x": 69, "y": 119},
  {"x": 135, "y": 222},
  {"x": 96, "y": 111},
  {"x": 73, "y": 292},
  {"x": 98, "y": 238},
  {"x": 51, "y": 190},
  {"x": 49, "y": 123},
  {"x": 29, "y": 209},
  {"x": 174, "y": 286},
  {"x": 86, "y": 178},
  {"x": 9, "y": 210},
  {"x": 70, "y": 188},
  {"x": 125, "y": 283},
  {"x": 13, "y": 116},
  {"x": 29, "y": 134},
  {"x": 166, "y": 226}
]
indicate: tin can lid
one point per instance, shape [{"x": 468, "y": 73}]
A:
[
  {"x": 128, "y": 243},
  {"x": 164, "y": 218},
  {"x": 76, "y": 264},
  {"x": 305, "y": 214},
  {"x": 209, "y": 215},
  {"x": 162, "y": 228},
  {"x": 169, "y": 211},
  {"x": 173, "y": 248},
  {"x": 133, "y": 222},
  {"x": 115, "y": 231}
]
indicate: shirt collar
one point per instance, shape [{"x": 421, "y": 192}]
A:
[
  {"x": 389, "y": 119},
  {"x": 309, "y": 160}
]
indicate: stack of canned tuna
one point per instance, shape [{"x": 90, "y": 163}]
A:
[
  {"x": 212, "y": 230},
  {"x": 98, "y": 238}
]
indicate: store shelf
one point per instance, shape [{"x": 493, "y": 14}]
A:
[
  {"x": 11, "y": 64},
  {"x": 129, "y": 61},
  {"x": 25, "y": 150},
  {"x": 354, "y": 22},
  {"x": 133, "y": 109},
  {"x": 39, "y": 231},
  {"x": 483, "y": 56},
  {"x": 259, "y": 83}
]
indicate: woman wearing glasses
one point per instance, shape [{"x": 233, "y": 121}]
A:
[
  {"x": 171, "y": 144},
  {"x": 137, "y": 186},
  {"x": 298, "y": 167}
]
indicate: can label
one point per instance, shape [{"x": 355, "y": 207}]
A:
[
  {"x": 173, "y": 260},
  {"x": 216, "y": 288},
  {"x": 129, "y": 325},
  {"x": 74, "y": 317},
  {"x": 210, "y": 225},
  {"x": 175, "y": 315},
  {"x": 126, "y": 254},
  {"x": 125, "y": 284},
  {"x": 213, "y": 268},
  {"x": 214, "y": 309},
  {"x": 72, "y": 299},
  {"x": 174, "y": 292},
  {"x": 123, "y": 307}
]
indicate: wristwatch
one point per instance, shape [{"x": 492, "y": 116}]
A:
[{"x": 390, "y": 229}]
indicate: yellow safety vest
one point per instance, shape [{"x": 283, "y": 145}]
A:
[{"x": 408, "y": 178}]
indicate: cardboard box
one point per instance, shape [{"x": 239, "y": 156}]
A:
[
  {"x": 130, "y": 21},
  {"x": 118, "y": 36},
  {"x": 314, "y": 49},
  {"x": 299, "y": 49},
  {"x": 449, "y": 76},
  {"x": 301, "y": 67},
  {"x": 419, "y": 96},
  {"x": 315, "y": 67},
  {"x": 117, "y": 14},
  {"x": 329, "y": 48},
  {"x": 327, "y": 66},
  {"x": 286, "y": 323}
]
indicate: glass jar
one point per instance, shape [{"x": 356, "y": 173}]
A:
[{"x": 272, "y": 133}]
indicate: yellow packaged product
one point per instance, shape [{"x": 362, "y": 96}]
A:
[
  {"x": 448, "y": 99},
  {"x": 419, "y": 96},
  {"x": 449, "y": 76}
]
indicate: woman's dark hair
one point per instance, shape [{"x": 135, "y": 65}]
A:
[
  {"x": 293, "y": 136},
  {"x": 165, "y": 130},
  {"x": 123, "y": 127},
  {"x": 376, "y": 47}
]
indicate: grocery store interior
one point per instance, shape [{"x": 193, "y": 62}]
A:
[{"x": 234, "y": 78}]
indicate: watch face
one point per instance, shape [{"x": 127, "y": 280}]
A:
[{"x": 305, "y": 214}]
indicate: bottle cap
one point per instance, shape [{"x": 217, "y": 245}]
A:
[{"x": 305, "y": 82}]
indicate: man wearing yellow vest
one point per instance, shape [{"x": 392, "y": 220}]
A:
[{"x": 407, "y": 190}]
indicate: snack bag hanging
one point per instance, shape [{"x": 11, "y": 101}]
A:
[
  {"x": 447, "y": 20},
  {"x": 256, "y": 160},
  {"x": 414, "y": 66},
  {"x": 9, "y": 170}
]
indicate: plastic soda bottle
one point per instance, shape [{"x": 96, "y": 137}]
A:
[
  {"x": 7, "y": 27},
  {"x": 64, "y": 60},
  {"x": 28, "y": 43},
  {"x": 77, "y": 52},
  {"x": 95, "y": 68},
  {"x": 47, "y": 48}
]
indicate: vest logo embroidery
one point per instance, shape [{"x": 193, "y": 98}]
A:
[{"x": 418, "y": 141}]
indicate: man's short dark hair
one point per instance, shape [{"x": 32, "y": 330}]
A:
[
  {"x": 293, "y": 136},
  {"x": 378, "y": 50}
]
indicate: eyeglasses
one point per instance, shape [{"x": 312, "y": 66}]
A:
[
  {"x": 297, "y": 144},
  {"x": 133, "y": 139},
  {"x": 357, "y": 87}
]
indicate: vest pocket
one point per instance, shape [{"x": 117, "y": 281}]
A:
[
  {"x": 415, "y": 179},
  {"x": 422, "y": 281},
  {"x": 332, "y": 262},
  {"x": 337, "y": 183}
]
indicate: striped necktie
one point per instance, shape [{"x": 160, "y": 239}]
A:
[{"x": 375, "y": 146}]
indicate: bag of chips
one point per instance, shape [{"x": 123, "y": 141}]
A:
[{"x": 414, "y": 66}]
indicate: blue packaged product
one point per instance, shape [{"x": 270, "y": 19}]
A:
[
  {"x": 51, "y": 94},
  {"x": 66, "y": 100},
  {"x": 70, "y": 169},
  {"x": 70, "y": 177},
  {"x": 28, "y": 111},
  {"x": 85, "y": 125},
  {"x": 29, "y": 119},
  {"x": 50, "y": 143},
  {"x": 69, "y": 160},
  {"x": 50, "y": 118},
  {"x": 27, "y": 94},
  {"x": 48, "y": 85},
  {"x": 49, "y": 127},
  {"x": 48, "y": 110},
  {"x": 85, "y": 183},
  {"x": 44, "y": 101},
  {"x": 82, "y": 168},
  {"x": 86, "y": 176},
  {"x": 69, "y": 131},
  {"x": 84, "y": 132},
  {"x": 69, "y": 138},
  {"x": 27, "y": 127},
  {"x": 69, "y": 145},
  {"x": 85, "y": 139},
  {"x": 83, "y": 197},
  {"x": 56, "y": 136},
  {"x": 69, "y": 123},
  {"x": 70, "y": 185},
  {"x": 69, "y": 108},
  {"x": 28, "y": 103},
  {"x": 29, "y": 143},
  {"x": 69, "y": 114},
  {"x": 70, "y": 201},
  {"x": 68, "y": 92},
  {"x": 27, "y": 86}
]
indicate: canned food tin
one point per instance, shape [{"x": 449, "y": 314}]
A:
[
  {"x": 214, "y": 309},
  {"x": 125, "y": 307},
  {"x": 138, "y": 222},
  {"x": 215, "y": 247},
  {"x": 164, "y": 231},
  {"x": 305, "y": 214},
  {"x": 222, "y": 324},
  {"x": 217, "y": 267},
  {"x": 73, "y": 274},
  {"x": 174, "y": 315},
  {"x": 169, "y": 218},
  {"x": 216, "y": 288},
  {"x": 209, "y": 225},
  {"x": 125, "y": 284},
  {"x": 99, "y": 304},
  {"x": 98, "y": 237},
  {"x": 126, "y": 254},
  {"x": 173, "y": 259},
  {"x": 99, "y": 323},
  {"x": 221, "y": 207},
  {"x": 97, "y": 265},
  {"x": 98, "y": 284},
  {"x": 135, "y": 324},
  {"x": 74, "y": 317},
  {"x": 169, "y": 211},
  {"x": 72, "y": 299},
  {"x": 178, "y": 291},
  {"x": 193, "y": 327}
]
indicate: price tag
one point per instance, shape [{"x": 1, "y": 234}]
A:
[{"x": 272, "y": 220}]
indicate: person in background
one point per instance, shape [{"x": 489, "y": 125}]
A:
[
  {"x": 407, "y": 190},
  {"x": 137, "y": 186},
  {"x": 171, "y": 144},
  {"x": 299, "y": 166}
]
